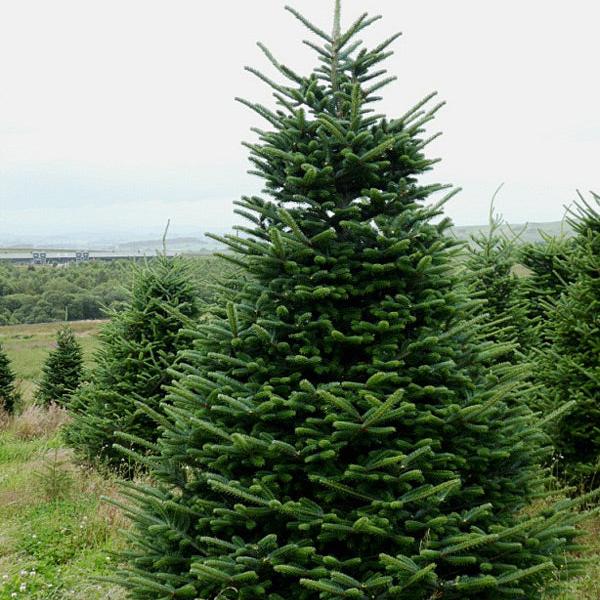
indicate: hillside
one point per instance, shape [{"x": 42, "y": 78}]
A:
[{"x": 528, "y": 232}]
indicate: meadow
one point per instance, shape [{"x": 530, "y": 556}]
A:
[{"x": 56, "y": 534}]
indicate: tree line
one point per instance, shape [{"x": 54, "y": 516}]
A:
[{"x": 73, "y": 292}]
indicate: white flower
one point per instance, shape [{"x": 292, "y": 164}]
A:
[{"x": 22, "y": 587}]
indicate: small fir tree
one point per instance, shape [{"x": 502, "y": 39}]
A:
[
  {"x": 137, "y": 348},
  {"x": 550, "y": 272},
  {"x": 62, "y": 370},
  {"x": 9, "y": 396},
  {"x": 342, "y": 431},
  {"x": 571, "y": 363},
  {"x": 490, "y": 262}
]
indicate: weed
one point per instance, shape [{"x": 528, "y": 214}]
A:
[
  {"x": 55, "y": 479},
  {"x": 37, "y": 421}
]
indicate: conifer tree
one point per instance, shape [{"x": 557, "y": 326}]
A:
[
  {"x": 571, "y": 363},
  {"x": 343, "y": 432},
  {"x": 62, "y": 370},
  {"x": 9, "y": 396},
  {"x": 137, "y": 348},
  {"x": 550, "y": 272},
  {"x": 491, "y": 260}
]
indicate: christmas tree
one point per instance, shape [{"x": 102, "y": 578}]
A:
[
  {"x": 343, "y": 431},
  {"x": 548, "y": 263},
  {"x": 137, "y": 348},
  {"x": 62, "y": 370},
  {"x": 490, "y": 262},
  {"x": 571, "y": 363},
  {"x": 9, "y": 396}
]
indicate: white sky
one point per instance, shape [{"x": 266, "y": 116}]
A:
[{"x": 120, "y": 113}]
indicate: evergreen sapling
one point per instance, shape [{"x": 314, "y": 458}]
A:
[
  {"x": 9, "y": 395},
  {"x": 549, "y": 273},
  {"x": 570, "y": 364},
  {"x": 62, "y": 370},
  {"x": 490, "y": 262},
  {"x": 137, "y": 348}
]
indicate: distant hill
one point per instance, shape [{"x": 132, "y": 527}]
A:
[
  {"x": 528, "y": 232},
  {"x": 179, "y": 245}
]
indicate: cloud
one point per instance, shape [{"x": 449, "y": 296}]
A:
[{"x": 125, "y": 103}]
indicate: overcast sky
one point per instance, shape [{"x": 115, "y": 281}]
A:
[{"x": 119, "y": 113}]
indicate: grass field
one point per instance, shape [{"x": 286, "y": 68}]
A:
[
  {"x": 28, "y": 345},
  {"x": 56, "y": 535}
]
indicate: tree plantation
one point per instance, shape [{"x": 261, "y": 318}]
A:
[{"x": 350, "y": 402}]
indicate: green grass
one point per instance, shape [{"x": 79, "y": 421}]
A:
[
  {"x": 51, "y": 548},
  {"x": 588, "y": 586},
  {"x": 54, "y": 548}
]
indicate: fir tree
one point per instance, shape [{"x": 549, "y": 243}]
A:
[
  {"x": 491, "y": 260},
  {"x": 571, "y": 363},
  {"x": 9, "y": 396},
  {"x": 342, "y": 431},
  {"x": 550, "y": 272},
  {"x": 62, "y": 370},
  {"x": 137, "y": 348}
]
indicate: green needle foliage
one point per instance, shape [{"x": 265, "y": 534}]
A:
[
  {"x": 491, "y": 260},
  {"x": 342, "y": 431},
  {"x": 548, "y": 263},
  {"x": 137, "y": 348},
  {"x": 571, "y": 363},
  {"x": 62, "y": 370},
  {"x": 9, "y": 396}
]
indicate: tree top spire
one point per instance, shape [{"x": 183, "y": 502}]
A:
[{"x": 337, "y": 20}]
